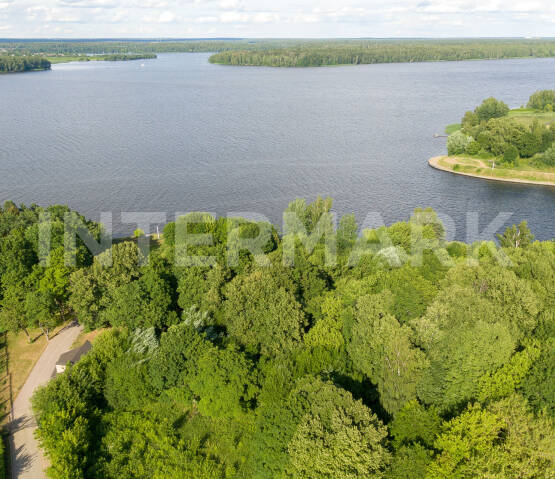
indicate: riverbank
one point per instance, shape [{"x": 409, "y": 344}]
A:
[
  {"x": 478, "y": 168},
  {"x": 100, "y": 58}
]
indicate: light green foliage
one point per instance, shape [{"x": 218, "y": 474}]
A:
[
  {"x": 503, "y": 441},
  {"x": 458, "y": 142},
  {"x": 142, "y": 303},
  {"x": 542, "y": 99},
  {"x": 223, "y": 383},
  {"x": 504, "y": 381},
  {"x": 491, "y": 108},
  {"x": 142, "y": 447},
  {"x": 380, "y": 348},
  {"x": 337, "y": 437},
  {"x": 465, "y": 441},
  {"x": 175, "y": 359},
  {"x": 262, "y": 315},
  {"x": 253, "y": 372}
]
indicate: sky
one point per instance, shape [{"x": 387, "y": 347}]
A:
[{"x": 275, "y": 18}]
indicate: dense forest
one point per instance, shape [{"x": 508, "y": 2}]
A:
[
  {"x": 301, "y": 53},
  {"x": 119, "y": 57},
  {"x": 366, "y": 52},
  {"x": 490, "y": 131},
  {"x": 12, "y": 64},
  {"x": 311, "y": 353}
]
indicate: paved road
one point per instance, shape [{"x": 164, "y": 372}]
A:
[{"x": 27, "y": 460}]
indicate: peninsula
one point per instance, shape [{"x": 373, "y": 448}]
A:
[{"x": 495, "y": 143}]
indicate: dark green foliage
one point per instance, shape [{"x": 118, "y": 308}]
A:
[
  {"x": 262, "y": 315},
  {"x": 542, "y": 100},
  {"x": 488, "y": 131},
  {"x": 396, "y": 366},
  {"x": 548, "y": 157},
  {"x": 510, "y": 155},
  {"x": 118, "y": 57},
  {"x": 356, "y": 52},
  {"x": 491, "y": 108},
  {"x": 14, "y": 64}
]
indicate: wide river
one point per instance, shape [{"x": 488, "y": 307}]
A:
[{"x": 178, "y": 134}]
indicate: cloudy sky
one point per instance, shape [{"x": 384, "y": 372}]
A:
[{"x": 276, "y": 18}]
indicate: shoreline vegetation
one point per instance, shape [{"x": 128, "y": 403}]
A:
[
  {"x": 364, "y": 52},
  {"x": 116, "y": 57},
  {"x": 27, "y": 63},
  {"x": 288, "y": 52},
  {"x": 495, "y": 143},
  {"x": 17, "y": 64}
]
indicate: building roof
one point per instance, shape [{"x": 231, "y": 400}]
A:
[{"x": 74, "y": 355}]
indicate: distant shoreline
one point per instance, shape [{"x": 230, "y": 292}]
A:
[{"x": 436, "y": 162}]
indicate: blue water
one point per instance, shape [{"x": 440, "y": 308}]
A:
[{"x": 179, "y": 134}]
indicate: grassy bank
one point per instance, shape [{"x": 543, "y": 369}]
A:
[
  {"x": 100, "y": 58},
  {"x": 488, "y": 169}
]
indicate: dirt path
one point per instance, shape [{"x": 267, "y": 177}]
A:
[
  {"x": 435, "y": 163},
  {"x": 26, "y": 457}
]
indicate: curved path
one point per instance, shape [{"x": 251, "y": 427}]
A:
[
  {"x": 435, "y": 163},
  {"x": 26, "y": 457}
]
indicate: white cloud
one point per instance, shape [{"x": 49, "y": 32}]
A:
[
  {"x": 265, "y": 18},
  {"x": 166, "y": 17}
]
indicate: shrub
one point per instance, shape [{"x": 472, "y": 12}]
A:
[
  {"x": 548, "y": 156},
  {"x": 491, "y": 108},
  {"x": 510, "y": 155},
  {"x": 473, "y": 148},
  {"x": 542, "y": 100},
  {"x": 529, "y": 144},
  {"x": 457, "y": 143}
]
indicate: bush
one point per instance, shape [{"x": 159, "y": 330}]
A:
[
  {"x": 542, "y": 100},
  {"x": 457, "y": 143},
  {"x": 510, "y": 155},
  {"x": 548, "y": 157},
  {"x": 529, "y": 144},
  {"x": 473, "y": 148},
  {"x": 491, "y": 108}
]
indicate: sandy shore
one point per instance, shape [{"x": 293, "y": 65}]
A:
[{"x": 435, "y": 163}]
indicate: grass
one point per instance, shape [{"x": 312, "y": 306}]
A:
[
  {"x": 66, "y": 59},
  {"x": 87, "y": 336},
  {"x": 525, "y": 171},
  {"x": 452, "y": 128},
  {"x": 17, "y": 359},
  {"x": 527, "y": 116}
]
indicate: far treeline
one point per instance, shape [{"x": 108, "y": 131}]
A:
[
  {"x": 300, "y": 52},
  {"x": 371, "y": 51},
  {"x": 10, "y": 64}
]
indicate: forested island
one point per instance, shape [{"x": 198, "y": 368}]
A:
[
  {"x": 14, "y": 64},
  {"x": 354, "y": 52},
  {"x": 407, "y": 356},
  {"x": 511, "y": 145}
]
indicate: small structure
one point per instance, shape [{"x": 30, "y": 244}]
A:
[{"x": 72, "y": 357}]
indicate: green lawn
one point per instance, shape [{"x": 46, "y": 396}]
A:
[
  {"x": 527, "y": 116},
  {"x": 452, "y": 128},
  {"x": 525, "y": 171}
]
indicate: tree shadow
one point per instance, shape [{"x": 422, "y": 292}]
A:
[{"x": 21, "y": 461}]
